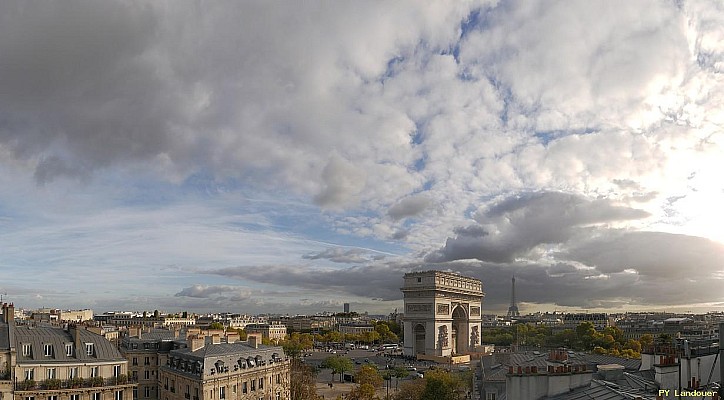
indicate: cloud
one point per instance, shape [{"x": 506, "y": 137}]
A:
[
  {"x": 206, "y": 291},
  {"x": 653, "y": 254},
  {"x": 341, "y": 255},
  {"x": 370, "y": 281},
  {"x": 531, "y": 137},
  {"x": 516, "y": 225},
  {"x": 342, "y": 181},
  {"x": 409, "y": 207}
]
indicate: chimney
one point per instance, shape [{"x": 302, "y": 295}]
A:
[
  {"x": 197, "y": 342},
  {"x": 74, "y": 332},
  {"x": 215, "y": 338},
  {"x": 8, "y": 312},
  {"x": 254, "y": 340},
  {"x": 232, "y": 337}
]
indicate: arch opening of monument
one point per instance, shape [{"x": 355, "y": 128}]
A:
[
  {"x": 459, "y": 330},
  {"x": 419, "y": 333}
]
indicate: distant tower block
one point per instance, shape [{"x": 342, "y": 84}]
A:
[
  {"x": 346, "y": 308},
  {"x": 442, "y": 313},
  {"x": 513, "y": 309}
]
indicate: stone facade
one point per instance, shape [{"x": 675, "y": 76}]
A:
[
  {"x": 442, "y": 313},
  {"x": 225, "y": 371}
]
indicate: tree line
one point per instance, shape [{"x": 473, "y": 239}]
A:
[{"x": 585, "y": 337}]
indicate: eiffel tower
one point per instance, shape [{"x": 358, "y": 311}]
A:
[{"x": 513, "y": 309}]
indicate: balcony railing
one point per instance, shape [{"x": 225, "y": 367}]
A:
[{"x": 73, "y": 383}]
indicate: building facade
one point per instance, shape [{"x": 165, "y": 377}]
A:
[
  {"x": 211, "y": 370},
  {"x": 273, "y": 331},
  {"x": 442, "y": 313},
  {"x": 53, "y": 363}
]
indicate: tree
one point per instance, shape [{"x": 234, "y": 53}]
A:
[
  {"x": 368, "y": 374},
  {"x": 585, "y": 335},
  {"x": 216, "y": 326},
  {"x": 338, "y": 365},
  {"x": 302, "y": 385},
  {"x": 411, "y": 390},
  {"x": 646, "y": 340},
  {"x": 296, "y": 343},
  {"x": 440, "y": 385},
  {"x": 361, "y": 392},
  {"x": 399, "y": 373}
]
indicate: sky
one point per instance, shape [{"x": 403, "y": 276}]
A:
[{"x": 289, "y": 157}]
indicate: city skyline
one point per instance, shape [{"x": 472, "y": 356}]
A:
[{"x": 290, "y": 158}]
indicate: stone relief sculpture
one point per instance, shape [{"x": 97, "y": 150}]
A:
[
  {"x": 442, "y": 337},
  {"x": 474, "y": 336}
]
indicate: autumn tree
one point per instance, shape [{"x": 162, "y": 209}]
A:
[
  {"x": 302, "y": 385},
  {"x": 411, "y": 390},
  {"x": 368, "y": 374},
  {"x": 296, "y": 343}
]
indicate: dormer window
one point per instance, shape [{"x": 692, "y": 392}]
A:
[
  {"x": 89, "y": 350},
  {"x": 27, "y": 349},
  {"x": 48, "y": 350},
  {"x": 69, "y": 349}
]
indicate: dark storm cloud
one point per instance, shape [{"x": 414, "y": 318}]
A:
[
  {"x": 522, "y": 222},
  {"x": 373, "y": 281},
  {"x": 78, "y": 85},
  {"x": 654, "y": 254}
]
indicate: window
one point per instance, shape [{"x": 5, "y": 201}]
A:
[
  {"x": 147, "y": 361},
  {"x": 116, "y": 370},
  {"x": 72, "y": 372},
  {"x": 29, "y": 374},
  {"x": 118, "y": 395},
  {"x": 97, "y": 396},
  {"x": 50, "y": 373},
  {"x": 29, "y": 397},
  {"x": 146, "y": 391},
  {"x": 89, "y": 349},
  {"x": 279, "y": 378},
  {"x": 74, "y": 397},
  {"x": 135, "y": 393},
  {"x": 52, "y": 397},
  {"x": 243, "y": 387},
  {"x": 146, "y": 374},
  {"x": 69, "y": 349},
  {"x": 135, "y": 360},
  {"x": 279, "y": 396},
  {"x": 134, "y": 375},
  {"x": 253, "y": 385},
  {"x": 222, "y": 392},
  {"x": 48, "y": 350},
  {"x": 489, "y": 396},
  {"x": 27, "y": 349},
  {"x": 261, "y": 383},
  {"x": 93, "y": 372}
]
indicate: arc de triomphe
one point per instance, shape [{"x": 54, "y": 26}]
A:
[{"x": 442, "y": 313}]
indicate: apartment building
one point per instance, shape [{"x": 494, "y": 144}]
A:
[
  {"x": 55, "y": 363},
  {"x": 209, "y": 369},
  {"x": 272, "y": 331}
]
